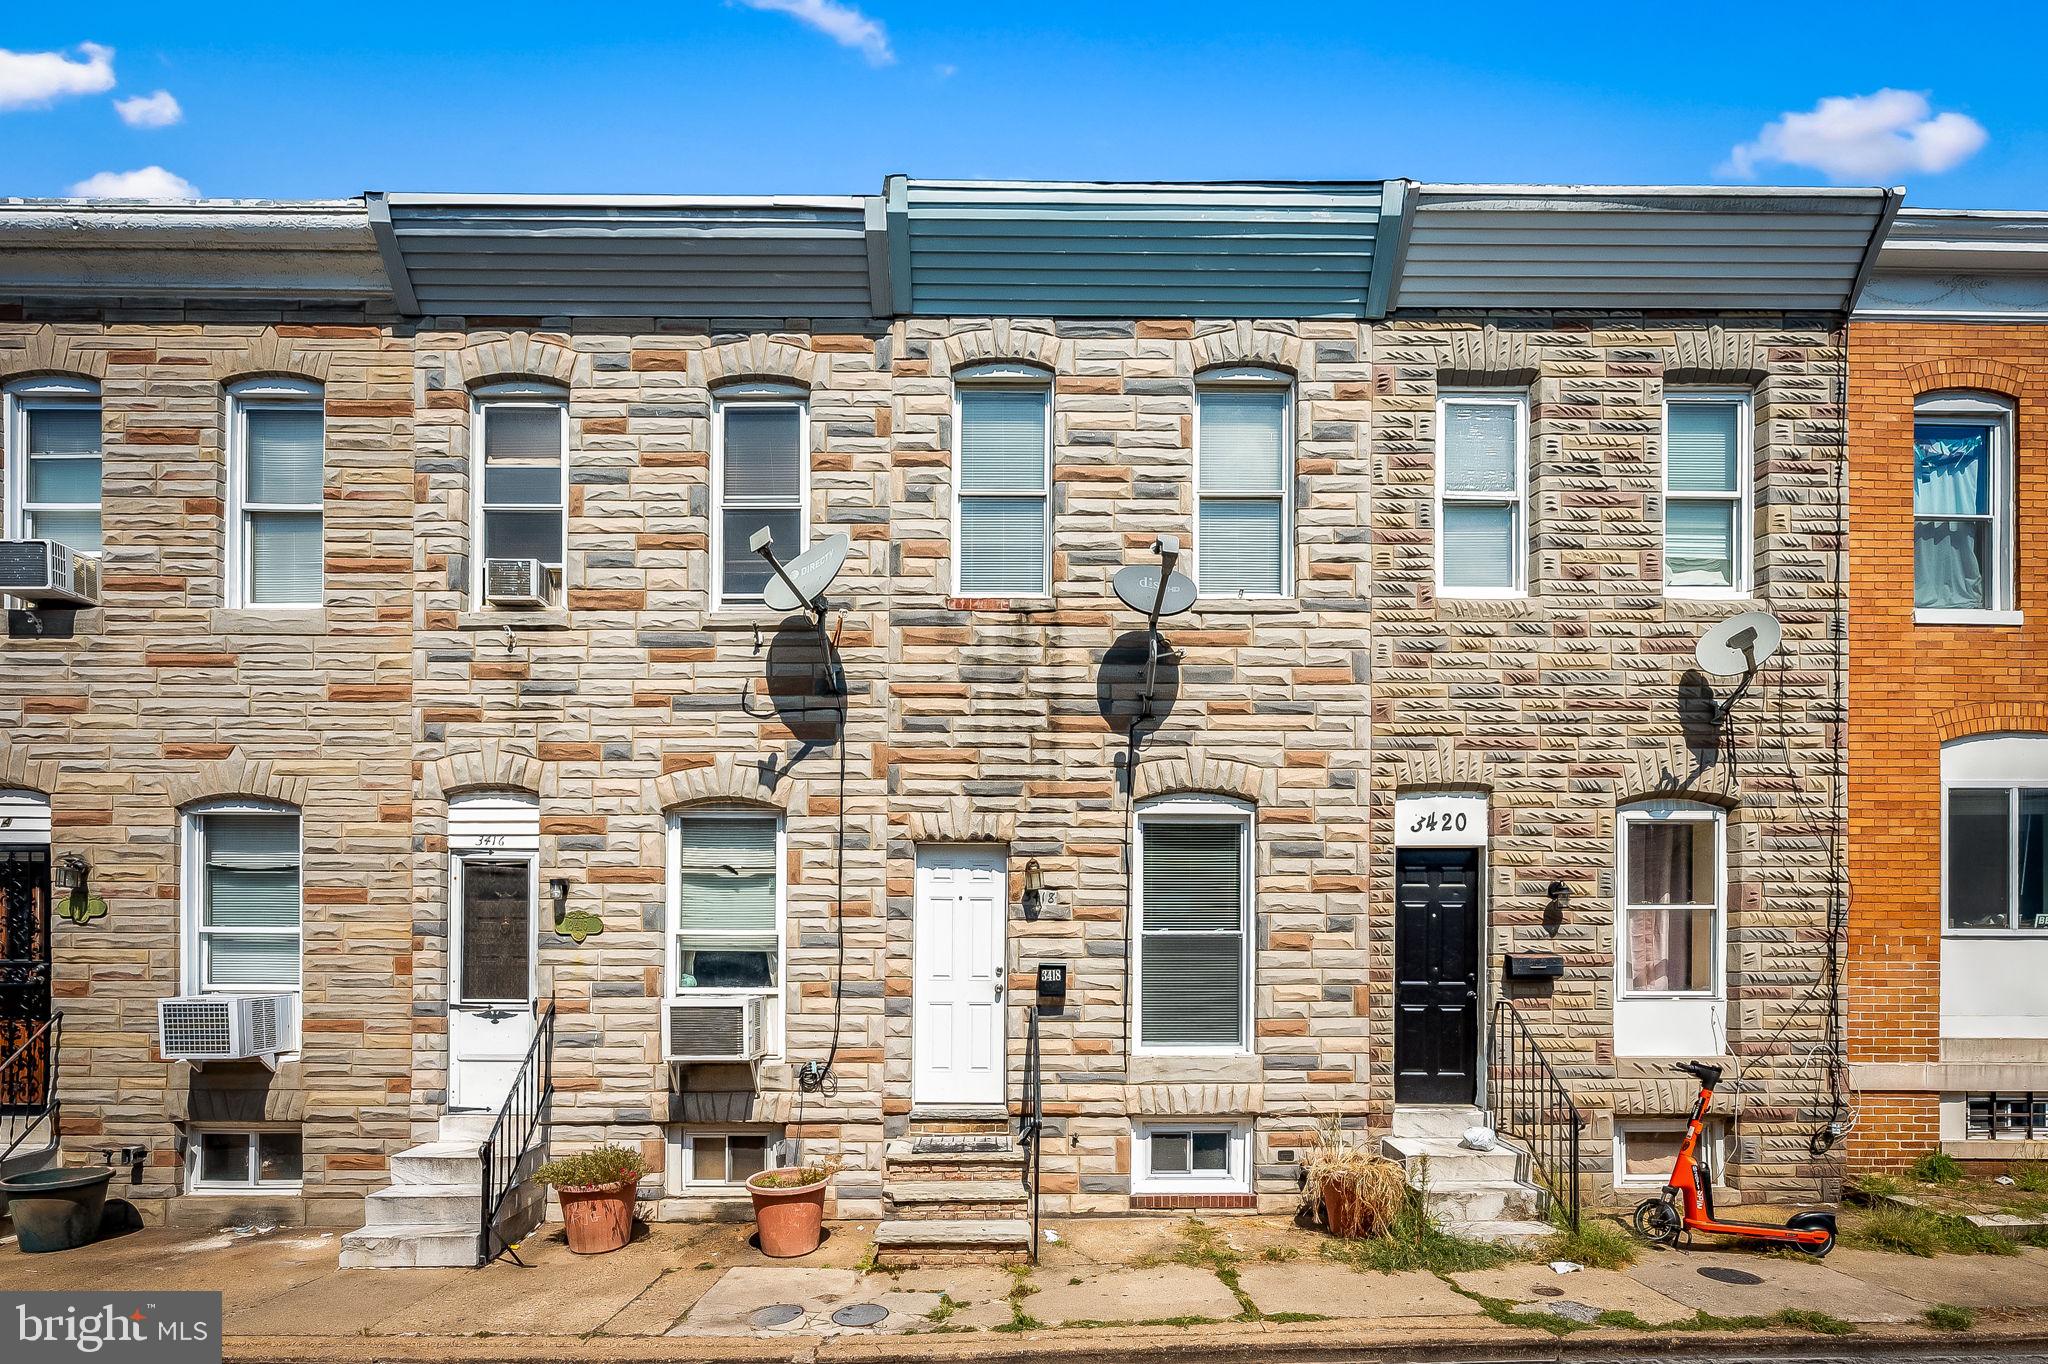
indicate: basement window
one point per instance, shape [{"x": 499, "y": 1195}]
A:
[
  {"x": 1645, "y": 1152},
  {"x": 1190, "y": 1158},
  {"x": 219, "y": 1161},
  {"x": 726, "y": 1160},
  {"x": 2006, "y": 1117}
]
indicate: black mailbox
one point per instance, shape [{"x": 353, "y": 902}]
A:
[
  {"x": 1052, "y": 986},
  {"x": 1534, "y": 965}
]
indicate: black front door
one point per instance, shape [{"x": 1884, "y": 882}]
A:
[
  {"x": 1436, "y": 975},
  {"x": 24, "y": 975}
]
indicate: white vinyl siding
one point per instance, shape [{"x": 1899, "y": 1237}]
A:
[
  {"x": 245, "y": 903},
  {"x": 1194, "y": 913},
  {"x": 54, "y": 479},
  {"x": 520, "y": 479},
  {"x": 1243, "y": 470},
  {"x": 1706, "y": 494},
  {"x": 1482, "y": 524},
  {"x": 1002, "y": 540},
  {"x": 760, "y": 471},
  {"x": 277, "y": 495},
  {"x": 1962, "y": 505}
]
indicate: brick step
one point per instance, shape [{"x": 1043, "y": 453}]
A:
[{"x": 952, "y": 1240}]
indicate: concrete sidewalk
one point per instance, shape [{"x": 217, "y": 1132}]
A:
[{"x": 1112, "y": 1287}]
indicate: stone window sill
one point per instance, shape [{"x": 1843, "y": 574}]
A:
[
  {"x": 257, "y": 620},
  {"x": 1931, "y": 617},
  {"x": 512, "y": 620}
]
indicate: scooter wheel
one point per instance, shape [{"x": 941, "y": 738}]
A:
[
  {"x": 1814, "y": 1221},
  {"x": 1657, "y": 1222}
]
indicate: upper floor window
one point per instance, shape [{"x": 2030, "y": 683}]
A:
[
  {"x": 1243, "y": 471},
  {"x": 1995, "y": 832},
  {"x": 1194, "y": 898},
  {"x": 53, "y": 466},
  {"x": 242, "y": 897},
  {"x": 1706, "y": 494},
  {"x": 276, "y": 484},
  {"x": 1962, "y": 503},
  {"x": 759, "y": 478},
  {"x": 1482, "y": 471},
  {"x": 1001, "y": 541},
  {"x": 1672, "y": 881},
  {"x": 521, "y": 477}
]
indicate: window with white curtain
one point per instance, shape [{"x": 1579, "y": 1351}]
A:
[
  {"x": 1482, "y": 464},
  {"x": 521, "y": 477},
  {"x": 1244, "y": 467},
  {"x": 1194, "y": 898},
  {"x": 54, "y": 491},
  {"x": 1672, "y": 882},
  {"x": 725, "y": 898},
  {"x": 1002, "y": 539},
  {"x": 242, "y": 898},
  {"x": 760, "y": 473},
  {"x": 1706, "y": 494},
  {"x": 1962, "y": 503},
  {"x": 277, "y": 493}
]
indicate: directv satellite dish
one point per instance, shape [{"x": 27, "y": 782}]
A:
[
  {"x": 1158, "y": 591},
  {"x": 1739, "y": 645},
  {"x": 800, "y": 584}
]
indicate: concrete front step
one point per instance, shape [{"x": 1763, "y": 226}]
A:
[
  {"x": 1446, "y": 1160},
  {"x": 469, "y": 1127},
  {"x": 423, "y": 1245},
  {"x": 951, "y": 1240},
  {"x": 1518, "y": 1232},
  {"x": 406, "y": 1205},
  {"x": 1435, "y": 1120},
  {"x": 1457, "y": 1206}
]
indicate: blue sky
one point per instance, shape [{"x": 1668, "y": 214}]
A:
[{"x": 826, "y": 96}]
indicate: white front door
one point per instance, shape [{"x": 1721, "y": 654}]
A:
[
  {"x": 957, "y": 1045},
  {"x": 490, "y": 1009}
]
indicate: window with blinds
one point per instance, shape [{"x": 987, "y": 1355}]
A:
[
  {"x": 1001, "y": 549},
  {"x": 725, "y": 898},
  {"x": 1482, "y": 531},
  {"x": 523, "y": 506},
  {"x": 1244, "y": 466},
  {"x": 60, "y": 489},
  {"x": 1706, "y": 486},
  {"x": 761, "y": 471},
  {"x": 282, "y": 477},
  {"x": 246, "y": 927},
  {"x": 1192, "y": 939}
]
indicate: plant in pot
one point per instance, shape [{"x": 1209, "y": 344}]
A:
[
  {"x": 789, "y": 1208},
  {"x": 596, "y": 1189},
  {"x": 1355, "y": 1192}
]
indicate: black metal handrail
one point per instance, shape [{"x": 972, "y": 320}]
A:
[
  {"x": 1031, "y": 1124},
  {"x": 28, "y": 1085},
  {"x": 505, "y": 1150},
  {"x": 1526, "y": 1100}
]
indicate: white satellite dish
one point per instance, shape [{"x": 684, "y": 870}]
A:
[
  {"x": 800, "y": 582},
  {"x": 1141, "y": 588},
  {"x": 1739, "y": 645}
]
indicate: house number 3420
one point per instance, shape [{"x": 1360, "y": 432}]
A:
[{"x": 1448, "y": 822}]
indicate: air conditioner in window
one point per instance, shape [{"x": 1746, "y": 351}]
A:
[
  {"x": 226, "y": 1027},
  {"x": 718, "y": 1028},
  {"x": 518, "y": 582},
  {"x": 48, "y": 573}
]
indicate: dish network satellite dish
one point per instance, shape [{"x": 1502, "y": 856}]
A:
[
  {"x": 1157, "y": 591},
  {"x": 800, "y": 584},
  {"x": 1737, "y": 647}
]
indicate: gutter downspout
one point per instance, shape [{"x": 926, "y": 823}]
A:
[{"x": 387, "y": 247}]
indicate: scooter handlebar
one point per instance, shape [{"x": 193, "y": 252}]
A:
[{"x": 1707, "y": 1075}]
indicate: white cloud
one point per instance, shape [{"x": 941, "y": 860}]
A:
[
  {"x": 151, "y": 182},
  {"x": 32, "y": 79},
  {"x": 159, "y": 110},
  {"x": 1863, "y": 137},
  {"x": 842, "y": 23}
]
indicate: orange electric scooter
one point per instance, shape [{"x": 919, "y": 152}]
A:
[{"x": 1662, "y": 1220}]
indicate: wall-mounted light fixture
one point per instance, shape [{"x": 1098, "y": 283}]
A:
[
  {"x": 1034, "y": 886},
  {"x": 73, "y": 876},
  {"x": 558, "y": 891},
  {"x": 1560, "y": 898}
]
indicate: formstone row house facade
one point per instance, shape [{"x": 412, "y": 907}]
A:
[{"x": 434, "y": 684}]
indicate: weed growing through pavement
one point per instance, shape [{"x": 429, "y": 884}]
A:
[{"x": 1949, "y": 1318}]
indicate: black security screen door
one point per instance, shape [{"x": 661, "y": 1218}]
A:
[
  {"x": 495, "y": 931},
  {"x": 24, "y": 972},
  {"x": 1436, "y": 975}
]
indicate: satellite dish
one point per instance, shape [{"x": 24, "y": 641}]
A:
[
  {"x": 1139, "y": 588},
  {"x": 804, "y": 579},
  {"x": 1739, "y": 645}
]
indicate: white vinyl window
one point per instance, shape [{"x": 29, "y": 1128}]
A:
[
  {"x": 1482, "y": 475},
  {"x": 520, "y": 478},
  {"x": 1995, "y": 851},
  {"x": 276, "y": 494},
  {"x": 726, "y": 1160},
  {"x": 1707, "y": 439},
  {"x": 1673, "y": 876},
  {"x": 760, "y": 477},
  {"x": 1244, "y": 468},
  {"x": 1962, "y": 505},
  {"x": 1646, "y": 1152},
  {"x": 243, "y": 902},
  {"x": 228, "y": 1161},
  {"x": 1190, "y": 1158},
  {"x": 53, "y": 462},
  {"x": 1194, "y": 897},
  {"x": 1002, "y": 530},
  {"x": 725, "y": 903}
]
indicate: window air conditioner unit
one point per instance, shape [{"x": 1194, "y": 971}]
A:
[
  {"x": 225, "y": 1027},
  {"x": 517, "y": 582},
  {"x": 718, "y": 1029},
  {"x": 48, "y": 573}
]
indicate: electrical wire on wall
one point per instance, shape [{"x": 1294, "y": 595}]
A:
[
  {"x": 1835, "y": 1081},
  {"x": 815, "y": 1077}
]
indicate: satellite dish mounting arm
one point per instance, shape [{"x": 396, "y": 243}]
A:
[{"x": 1168, "y": 548}]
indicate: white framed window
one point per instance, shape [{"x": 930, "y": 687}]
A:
[
  {"x": 1962, "y": 505},
  {"x": 232, "y": 1160},
  {"x": 519, "y": 478},
  {"x": 243, "y": 898},
  {"x": 1482, "y": 526},
  {"x": 710, "y": 1161},
  {"x": 1707, "y": 440},
  {"x": 1194, "y": 913},
  {"x": 1673, "y": 880},
  {"x": 1181, "y": 1157},
  {"x": 726, "y": 904},
  {"x": 1994, "y": 835},
  {"x": 1002, "y": 511},
  {"x": 1646, "y": 1150},
  {"x": 1244, "y": 473},
  {"x": 53, "y": 462},
  {"x": 760, "y": 477},
  {"x": 277, "y": 460}
]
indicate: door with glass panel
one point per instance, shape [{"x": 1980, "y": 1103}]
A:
[{"x": 490, "y": 1011}]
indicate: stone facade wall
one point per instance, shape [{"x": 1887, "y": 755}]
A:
[{"x": 161, "y": 697}]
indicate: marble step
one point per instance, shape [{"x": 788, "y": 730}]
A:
[{"x": 953, "y": 1233}]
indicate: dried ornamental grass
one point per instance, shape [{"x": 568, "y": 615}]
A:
[{"x": 1360, "y": 1192}]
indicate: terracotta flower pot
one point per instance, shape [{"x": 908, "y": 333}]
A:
[
  {"x": 598, "y": 1217},
  {"x": 791, "y": 1221}
]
